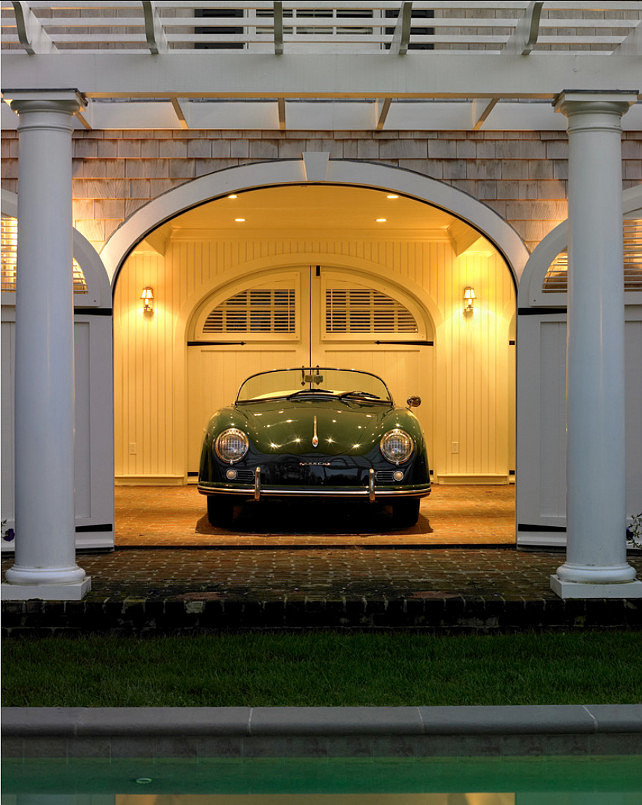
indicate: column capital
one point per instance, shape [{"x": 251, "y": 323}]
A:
[
  {"x": 573, "y": 101},
  {"x": 66, "y": 101}
]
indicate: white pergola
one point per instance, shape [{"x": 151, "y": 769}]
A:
[{"x": 321, "y": 65}]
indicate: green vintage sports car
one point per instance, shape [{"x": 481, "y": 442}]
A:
[{"x": 314, "y": 433}]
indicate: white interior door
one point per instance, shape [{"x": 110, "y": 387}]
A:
[
  {"x": 358, "y": 326},
  {"x": 262, "y": 325}
]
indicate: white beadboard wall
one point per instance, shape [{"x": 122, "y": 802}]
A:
[{"x": 473, "y": 395}]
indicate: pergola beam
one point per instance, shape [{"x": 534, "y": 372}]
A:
[
  {"x": 401, "y": 35},
  {"x": 156, "y": 39},
  {"x": 520, "y": 43},
  {"x": 278, "y": 27},
  {"x": 32, "y": 36},
  {"x": 482, "y": 107},
  {"x": 180, "y": 113},
  {"x": 524, "y": 37},
  {"x": 632, "y": 44},
  {"x": 244, "y": 75},
  {"x": 381, "y": 112}
]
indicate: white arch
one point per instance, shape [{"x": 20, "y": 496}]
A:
[
  {"x": 530, "y": 290},
  {"x": 99, "y": 290},
  {"x": 339, "y": 172}
]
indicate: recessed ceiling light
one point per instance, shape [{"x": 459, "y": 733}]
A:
[
  {"x": 233, "y": 195},
  {"x": 381, "y": 220},
  {"x": 392, "y": 195},
  {"x": 240, "y": 220}
]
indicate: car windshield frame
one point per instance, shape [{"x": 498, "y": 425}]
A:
[{"x": 306, "y": 382}]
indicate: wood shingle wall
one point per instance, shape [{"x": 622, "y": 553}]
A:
[{"x": 521, "y": 175}]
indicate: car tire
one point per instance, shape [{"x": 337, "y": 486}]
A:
[
  {"x": 220, "y": 510},
  {"x": 405, "y": 513}
]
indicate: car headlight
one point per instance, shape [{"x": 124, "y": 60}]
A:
[
  {"x": 396, "y": 446},
  {"x": 231, "y": 445}
]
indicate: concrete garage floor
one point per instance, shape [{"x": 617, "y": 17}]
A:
[{"x": 451, "y": 516}]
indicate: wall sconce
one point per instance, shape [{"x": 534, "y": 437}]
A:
[
  {"x": 147, "y": 296},
  {"x": 469, "y": 295}
]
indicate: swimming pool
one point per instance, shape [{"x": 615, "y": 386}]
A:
[{"x": 264, "y": 781}]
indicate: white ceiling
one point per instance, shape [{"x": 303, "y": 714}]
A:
[{"x": 313, "y": 208}]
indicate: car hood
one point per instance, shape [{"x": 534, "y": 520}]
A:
[{"x": 342, "y": 426}]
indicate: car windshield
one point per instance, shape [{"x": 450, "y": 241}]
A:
[{"x": 321, "y": 382}]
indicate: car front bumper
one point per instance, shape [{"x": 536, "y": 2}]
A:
[{"x": 372, "y": 492}]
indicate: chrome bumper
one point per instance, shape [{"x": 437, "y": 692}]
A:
[{"x": 370, "y": 492}]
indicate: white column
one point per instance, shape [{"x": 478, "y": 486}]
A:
[
  {"x": 45, "y": 564},
  {"x": 596, "y": 565}
]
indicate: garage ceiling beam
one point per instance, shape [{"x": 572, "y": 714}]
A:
[
  {"x": 31, "y": 35},
  {"x": 232, "y": 76},
  {"x": 156, "y": 39}
]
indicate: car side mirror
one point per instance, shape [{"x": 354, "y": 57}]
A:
[{"x": 413, "y": 402}]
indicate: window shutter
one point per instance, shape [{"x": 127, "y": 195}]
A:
[
  {"x": 9, "y": 239},
  {"x": 257, "y": 310},
  {"x": 365, "y": 310},
  {"x": 556, "y": 279}
]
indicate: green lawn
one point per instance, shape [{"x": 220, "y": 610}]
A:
[{"x": 324, "y": 668}]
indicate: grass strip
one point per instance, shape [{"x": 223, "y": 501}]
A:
[{"x": 323, "y": 669}]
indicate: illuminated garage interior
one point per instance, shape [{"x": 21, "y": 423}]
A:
[
  {"x": 321, "y": 275},
  {"x": 516, "y": 131}
]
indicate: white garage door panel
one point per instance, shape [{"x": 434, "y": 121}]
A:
[
  {"x": 215, "y": 374},
  {"x": 345, "y": 339},
  {"x": 8, "y": 486},
  {"x": 82, "y": 442},
  {"x": 407, "y": 371},
  {"x": 541, "y": 437},
  {"x": 93, "y": 440}
]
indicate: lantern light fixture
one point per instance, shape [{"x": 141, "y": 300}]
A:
[
  {"x": 469, "y": 295},
  {"x": 148, "y": 296}
]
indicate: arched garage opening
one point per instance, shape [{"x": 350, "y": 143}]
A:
[{"x": 421, "y": 258}]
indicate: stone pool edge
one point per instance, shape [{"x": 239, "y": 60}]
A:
[{"x": 206, "y": 732}]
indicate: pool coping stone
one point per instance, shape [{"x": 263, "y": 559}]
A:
[{"x": 76, "y": 722}]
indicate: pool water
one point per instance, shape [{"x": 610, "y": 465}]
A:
[{"x": 616, "y": 780}]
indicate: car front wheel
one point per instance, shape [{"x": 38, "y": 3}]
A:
[
  {"x": 405, "y": 513},
  {"x": 220, "y": 510}
]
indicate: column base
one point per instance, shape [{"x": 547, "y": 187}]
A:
[
  {"x": 70, "y": 591},
  {"x": 583, "y": 589}
]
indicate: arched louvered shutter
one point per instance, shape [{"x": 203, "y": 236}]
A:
[
  {"x": 256, "y": 310},
  {"x": 556, "y": 277},
  {"x": 9, "y": 240},
  {"x": 365, "y": 310}
]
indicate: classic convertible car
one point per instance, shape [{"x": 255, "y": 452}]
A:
[{"x": 314, "y": 433}]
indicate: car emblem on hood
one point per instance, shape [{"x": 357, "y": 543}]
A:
[
  {"x": 314, "y": 463},
  {"x": 315, "y": 438}
]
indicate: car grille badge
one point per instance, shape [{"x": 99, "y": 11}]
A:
[{"x": 315, "y": 438}]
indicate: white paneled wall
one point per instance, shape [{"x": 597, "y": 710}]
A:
[
  {"x": 472, "y": 389},
  {"x": 541, "y": 455}
]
